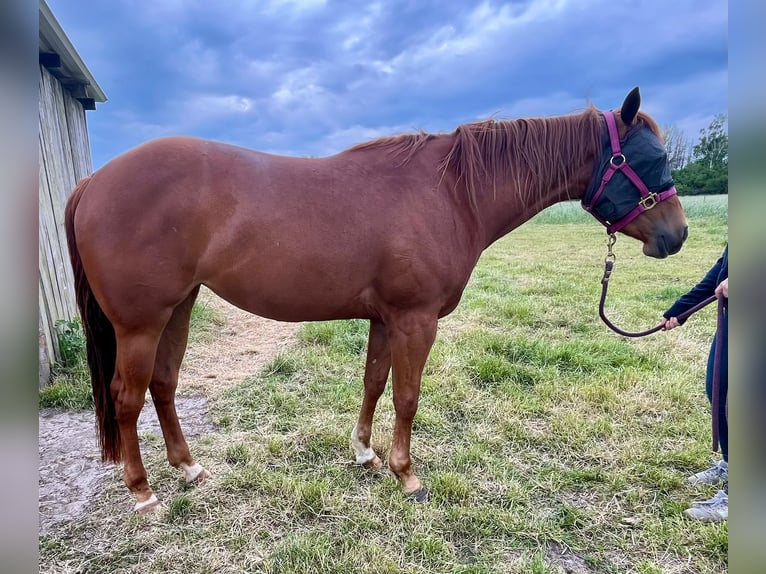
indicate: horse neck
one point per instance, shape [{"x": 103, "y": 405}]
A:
[
  {"x": 507, "y": 208},
  {"x": 555, "y": 165}
]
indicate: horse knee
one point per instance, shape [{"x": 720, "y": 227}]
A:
[{"x": 406, "y": 407}]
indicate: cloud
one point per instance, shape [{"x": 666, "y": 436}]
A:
[
  {"x": 343, "y": 138},
  {"x": 297, "y": 6},
  {"x": 690, "y": 104},
  {"x": 313, "y": 76},
  {"x": 553, "y": 103},
  {"x": 213, "y": 105}
]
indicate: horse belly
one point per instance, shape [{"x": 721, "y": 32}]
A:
[{"x": 295, "y": 291}]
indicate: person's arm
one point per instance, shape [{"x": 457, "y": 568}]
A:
[{"x": 701, "y": 291}]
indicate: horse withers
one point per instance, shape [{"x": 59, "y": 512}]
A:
[{"x": 388, "y": 231}]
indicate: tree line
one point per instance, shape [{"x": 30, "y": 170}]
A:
[{"x": 702, "y": 168}]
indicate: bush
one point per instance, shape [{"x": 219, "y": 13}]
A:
[
  {"x": 71, "y": 339},
  {"x": 70, "y": 388}
]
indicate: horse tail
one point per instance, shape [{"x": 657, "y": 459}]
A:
[{"x": 101, "y": 343}]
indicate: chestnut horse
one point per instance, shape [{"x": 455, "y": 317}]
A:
[{"x": 388, "y": 231}]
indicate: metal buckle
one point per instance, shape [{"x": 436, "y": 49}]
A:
[
  {"x": 649, "y": 201},
  {"x": 617, "y": 160}
]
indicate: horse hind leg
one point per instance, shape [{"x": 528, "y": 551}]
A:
[
  {"x": 170, "y": 353},
  {"x": 135, "y": 360},
  {"x": 376, "y": 372}
]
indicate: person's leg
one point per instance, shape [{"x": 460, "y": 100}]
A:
[
  {"x": 723, "y": 388},
  {"x": 717, "y": 508}
]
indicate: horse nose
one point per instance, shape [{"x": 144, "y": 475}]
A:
[{"x": 676, "y": 244}]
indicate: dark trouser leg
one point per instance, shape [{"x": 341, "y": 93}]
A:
[{"x": 723, "y": 424}]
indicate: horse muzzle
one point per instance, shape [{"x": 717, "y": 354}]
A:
[{"x": 664, "y": 244}]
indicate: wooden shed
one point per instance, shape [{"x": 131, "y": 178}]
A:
[{"x": 67, "y": 89}]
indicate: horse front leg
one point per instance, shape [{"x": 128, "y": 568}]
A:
[
  {"x": 411, "y": 337},
  {"x": 376, "y": 372}
]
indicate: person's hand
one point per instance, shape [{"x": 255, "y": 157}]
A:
[
  {"x": 722, "y": 291},
  {"x": 668, "y": 324}
]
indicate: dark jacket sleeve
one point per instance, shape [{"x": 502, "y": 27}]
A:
[{"x": 700, "y": 291}]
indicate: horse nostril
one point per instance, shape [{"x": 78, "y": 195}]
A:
[{"x": 686, "y": 233}]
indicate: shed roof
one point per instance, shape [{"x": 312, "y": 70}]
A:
[{"x": 60, "y": 57}]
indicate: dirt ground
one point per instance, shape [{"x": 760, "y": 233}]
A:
[{"x": 71, "y": 472}]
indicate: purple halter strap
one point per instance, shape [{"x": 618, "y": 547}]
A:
[{"x": 619, "y": 162}]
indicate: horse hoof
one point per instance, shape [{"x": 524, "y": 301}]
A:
[
  {"x": 195, "y": 474},
  {"x": 200, "y": 478},
  {"x": 147, "y": 506},
  {"x": 420, "y": 495},
  {"x": 374, "y": 464}
]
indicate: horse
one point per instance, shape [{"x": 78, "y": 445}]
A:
[{"x": 388, "y": 231}]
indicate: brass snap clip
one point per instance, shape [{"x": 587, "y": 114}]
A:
[{"x": 649, "y": 201}]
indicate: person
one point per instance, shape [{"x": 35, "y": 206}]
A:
[{"x": 715, "y": 282}]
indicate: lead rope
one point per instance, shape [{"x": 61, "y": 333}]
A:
[{"x": 609, "y": 261}]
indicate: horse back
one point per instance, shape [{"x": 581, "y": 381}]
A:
[{"x": 287, "y": 238}]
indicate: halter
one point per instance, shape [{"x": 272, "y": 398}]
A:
[{"x": 619, "y": 163}]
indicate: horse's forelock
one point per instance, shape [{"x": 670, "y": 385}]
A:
[{"x": 651, "y": 124}]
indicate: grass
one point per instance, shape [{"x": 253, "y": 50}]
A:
[
  {"x": 549, "y": 444},
  {"x": 204, "y": 324},
  {"x": 711, "y": 209},
  {"x": 70, "y": 388}
]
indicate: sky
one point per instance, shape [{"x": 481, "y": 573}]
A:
[{"x": 313, "y": 77}]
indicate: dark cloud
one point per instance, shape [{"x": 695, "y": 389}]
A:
[{"x": 310, "y": 77}]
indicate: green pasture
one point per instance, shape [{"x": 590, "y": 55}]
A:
[{"x": 549, "y": 443}]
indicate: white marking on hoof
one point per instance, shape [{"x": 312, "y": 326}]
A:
[
  {"x": 147, "y": 505},
  {"x": 364, "y": 454},
  {"x": 194, "y": 472}
]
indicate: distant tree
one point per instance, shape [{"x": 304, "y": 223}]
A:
[
  {"x": 708, "y": 170},
  {"x": 697, "y": 178},
  {"x": 678, "y": 145},
  {"x": 713, "y": 145}
]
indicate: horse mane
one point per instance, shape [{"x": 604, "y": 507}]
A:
[
  {"x": 402, "y": 146},
  {"x": 535, "y": 154}
]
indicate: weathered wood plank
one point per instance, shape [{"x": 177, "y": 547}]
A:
[
  {"x": 47, "y": 339},
  {"x": 44, "y": 358},
  {"x": 49, "y": 246},
  {"x": 61, "y": 180},
  {"x": 64, "y": 150},
  {"x": 78, "y": 137}
]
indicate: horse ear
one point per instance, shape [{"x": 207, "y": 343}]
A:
[{"x": 630, "y": 106}]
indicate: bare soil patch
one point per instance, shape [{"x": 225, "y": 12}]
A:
[{"x": 244, "y": 344}]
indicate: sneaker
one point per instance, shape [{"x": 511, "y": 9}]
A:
[
  {"x": 714, "y": 510},
  {"x": 719, "y": 472}
]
